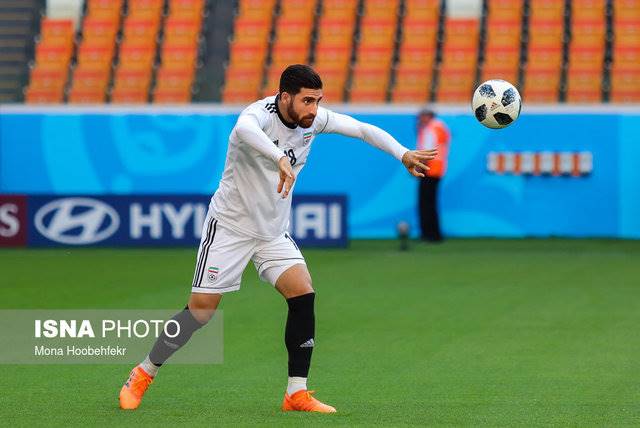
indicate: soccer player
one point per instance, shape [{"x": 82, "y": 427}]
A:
[{"x": 248, "y": 218}]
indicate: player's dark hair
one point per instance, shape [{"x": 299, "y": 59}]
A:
[{"x": 298, "y": 76}]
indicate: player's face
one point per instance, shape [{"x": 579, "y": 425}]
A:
[{"x": 303, "y": 106}]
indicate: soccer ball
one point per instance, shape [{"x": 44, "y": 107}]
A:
[{"x": 496, "y": 103}]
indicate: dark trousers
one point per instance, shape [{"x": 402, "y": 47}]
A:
[{"x": 428, "y": 206}]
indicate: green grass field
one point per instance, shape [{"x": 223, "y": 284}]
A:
[{"x": 471, "y": 332}]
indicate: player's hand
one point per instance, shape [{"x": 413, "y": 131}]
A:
[
  {"x": 415, "y": 161},
  {"x": 287, "y": 176}
]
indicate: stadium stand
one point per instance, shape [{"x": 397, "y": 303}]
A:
[
  {"x": 545, "y": 50},
  {"x": 248, "y": 50},
  {"x": 503, "y": 37},
  {"x": 414, "y": 70},
  {"x": 96, "y": 52},
  {"x": 374, "y": 53},
  {"x": 457, "y": 71},
  {"x": 179, "y": 54},
  {"x": 53, "y": 56},
  {"x": 133, "y": 74},
  {"x": 333, "y": 48},
  {"x": 293, "y": 31},
  {"x": 586, "y": 51},
  {"x": 137, "y": 51},
  {"x": 625, "y": 69}
]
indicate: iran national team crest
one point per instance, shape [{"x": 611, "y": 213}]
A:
[
  {"x": 212, "y": 273},
  {"x": 306, "y": 137}
]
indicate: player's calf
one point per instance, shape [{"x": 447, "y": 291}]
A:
[{"x": 174, "y": 337}]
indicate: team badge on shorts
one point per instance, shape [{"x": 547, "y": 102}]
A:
[{"x": 212, "y": 273}]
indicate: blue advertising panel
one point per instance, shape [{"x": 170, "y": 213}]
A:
[
  {"x": 151, "y": 151},
  {"x": 316, "y": 221}
]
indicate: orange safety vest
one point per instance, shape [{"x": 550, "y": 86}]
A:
[{"x": 432, "y": 136}]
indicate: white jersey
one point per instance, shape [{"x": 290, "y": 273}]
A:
[{"x": 246, "y": 200}]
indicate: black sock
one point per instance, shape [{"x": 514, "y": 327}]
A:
[
  {"x": 165, "y": 346},
  {"x": 299, "y": 334}
]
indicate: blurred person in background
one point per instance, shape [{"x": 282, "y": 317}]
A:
[{"x": 432, "y": 134}]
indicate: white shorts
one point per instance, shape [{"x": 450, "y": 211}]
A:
[{"x": 224, "y": 254}]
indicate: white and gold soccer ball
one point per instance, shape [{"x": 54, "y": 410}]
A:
[{"x": 496, "y": 103}]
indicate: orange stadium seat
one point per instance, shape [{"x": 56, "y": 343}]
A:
[
  {"x": 132, "y": 79},
  {"x": 84, "y": 79},
  {"x": 546, "y": 10},
  {"x": 505, "y": 10},
  {"x": 178, "y": 57},
  {"x": 136, "y": 57},
  {"x": 140, "y": 31},
  {"x": 186, "y": 9},
  {"x": 52, "y": 58},
  {"x": 104, "y": 9},
  {"x": 292, "y": 44},
  {"x": 374, "y": 54},
  {"x": 145, "y": 10},
  {"x": 629, "y": 9},
  {"x": 248, "y": 50},
  {"x": 459, "y": 60},
  {"x": 48, "y": 79},
  {"x": 99, "y": 31},
  {"x": 584, "y": 86},
  {"x": 544, "y": 57},
  {"x": 625, "y": 70},
  {"x": 174, "y": 79},
  {"x": 426, "y": 10},
  {"x": 338, "y": 9},
  {"x": 43, "y": 96},
  {"x": 542, "y": 85},
  {"x": 380, "y": 8},
  {"x": 587, "y": 10},
  {"x": 172, "y": 96},
  {"x": 297, "y": 10},
  {"x": 57, "y": 32},
  {"x": 417, "y": 51},
  {"x": 412, "y": 84},
  {"x": 378, "y": 31},
  {"x": 129, "y": 96},
  {"x": 87, "y": 96},
  {"x": 502, "y": 46},
  {"x": 256, "y": 9},
  {"x": 586, "y": 51},
  {"x": 332, "y": 56}
]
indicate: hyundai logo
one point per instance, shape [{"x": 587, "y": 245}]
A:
[{"x": 77, "y": 221}]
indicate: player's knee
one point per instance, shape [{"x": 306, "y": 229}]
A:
[{"x": 202, "y": 306}]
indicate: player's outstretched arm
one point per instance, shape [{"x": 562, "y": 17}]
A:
[
  {"x": 249, "y": 131},
  {"x": 413, "y": 160}
]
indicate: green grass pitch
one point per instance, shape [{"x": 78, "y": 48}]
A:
[{"x": 468, "y": 333}]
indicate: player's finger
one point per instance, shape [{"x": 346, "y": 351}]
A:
[
  {"x": 414, "y": 171},
  {"x": 288, "y": 184},
  {"x": 418, "y": 164},
  {"x": 280, "y": 184},
  {"x": 425, "y": 157},
  {"x": 427, "y": 152}
]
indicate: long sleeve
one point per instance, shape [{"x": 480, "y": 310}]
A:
[
  {"x": 249, "y": 131},
  {"x": 346, "y": 125}
]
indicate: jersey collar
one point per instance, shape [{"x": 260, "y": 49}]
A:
[{"x": 282, "y": 119}]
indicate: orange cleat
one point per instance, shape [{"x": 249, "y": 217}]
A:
[
  {"x": 302, "y": 401},
  {"x": 134, "y": 388}
]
